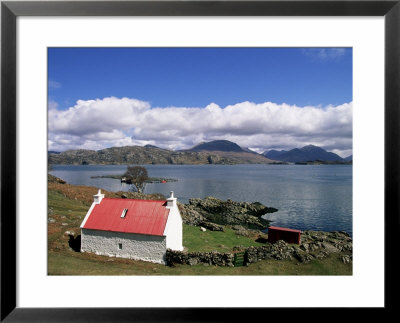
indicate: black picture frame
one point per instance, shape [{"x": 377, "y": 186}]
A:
[{"x": 10, "y": 10}]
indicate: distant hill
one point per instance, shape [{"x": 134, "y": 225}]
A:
[
  {"x": 232, "y": 151},
  {"x": 248, "y": 150},
  {"x": 217, "y": 145},
  {"x": 53, "y": 152},
  {"x": 349, "y": 158},
  {"x": 307, "y": 153},
  {"x": 152, "y": 146},
  {"x": 273, "y": 154},
  {"x": 154, "y": 155}
]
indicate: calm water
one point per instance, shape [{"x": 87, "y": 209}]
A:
[{"x": 307, "y": 197}]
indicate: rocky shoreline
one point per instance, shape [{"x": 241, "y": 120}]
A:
[
  {"x": 246, "y": 219},
  {"x": 219, "y": 212}
]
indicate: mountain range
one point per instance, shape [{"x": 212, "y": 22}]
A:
[
  {"x": 213, "y": 152},
  {"x": 218, "y": 145},
  {"x": 349, "y": 158},
  {"x": 306, "y": 154}
]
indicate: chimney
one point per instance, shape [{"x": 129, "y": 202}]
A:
[
  {"x": 171, "y": 201},
  {"x": 98, "y": 197}
]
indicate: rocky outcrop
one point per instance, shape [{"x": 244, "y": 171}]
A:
[
  {"x": 189, "y": 215},
  {"x": 242, "y": 231},
  {"x": 212, "y": 226},
  {"x": 314, "y": 245},
  {"x": 137, "y": 196},
  {"x": 330, "y": 241},
  {"x": 211, "y": 209},
  {"x": 54, "y": 179}
]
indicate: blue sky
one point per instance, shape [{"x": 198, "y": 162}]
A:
[
  {"x": 160, "y": 80},
  {"x": 195, "y": 77}
]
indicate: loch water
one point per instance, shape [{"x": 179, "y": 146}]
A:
[{"x": 308, "y": 197}]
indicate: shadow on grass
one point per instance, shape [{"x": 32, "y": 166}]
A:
[{"x": 75, "y": 243}]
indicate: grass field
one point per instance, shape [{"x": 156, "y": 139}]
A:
[
  {"x": 72, "y": 263},
  {"x": 68, "y": 204}
]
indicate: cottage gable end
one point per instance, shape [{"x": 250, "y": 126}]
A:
[{"x": 173, "y": 228}]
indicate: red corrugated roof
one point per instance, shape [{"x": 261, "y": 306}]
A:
[
  {"x": 143, "y": 216},
  {"x": 283, "y": 229}
]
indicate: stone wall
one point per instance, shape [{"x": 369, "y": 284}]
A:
[
  {"x": 194, "y": 258},
  {"x": 314, "y": 245}
]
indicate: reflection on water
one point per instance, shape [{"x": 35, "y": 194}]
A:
[{"x": 308, "y": 197}]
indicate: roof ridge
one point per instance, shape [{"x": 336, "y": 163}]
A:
[{"x": 126, "y": 199}]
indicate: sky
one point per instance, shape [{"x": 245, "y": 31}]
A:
[{"x": 175, "y": 98}]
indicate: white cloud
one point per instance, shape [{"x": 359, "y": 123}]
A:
[
  {"x": 52, "y": 105},
  {"x": 101, "y": 123},
  {"x": 324, "y": 54},
  {"x": 54, "y": 84}
]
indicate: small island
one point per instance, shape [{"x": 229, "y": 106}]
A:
[{"x": 127, "y": 181}]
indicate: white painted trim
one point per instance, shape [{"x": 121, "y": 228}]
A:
[{"x": 88, "y": 214}]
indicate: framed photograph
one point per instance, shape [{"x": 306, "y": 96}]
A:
[{"x": 180, "y": 82}]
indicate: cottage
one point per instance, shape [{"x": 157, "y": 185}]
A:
[{"x": 135, "y": 229}]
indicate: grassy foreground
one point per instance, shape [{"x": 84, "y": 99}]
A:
[{"x": 68, "y": 204}]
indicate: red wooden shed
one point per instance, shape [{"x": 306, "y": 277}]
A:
[{"x": 285, "y": 234}]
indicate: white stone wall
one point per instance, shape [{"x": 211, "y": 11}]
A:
[
  {"x": 134, "y": 246},
  {"x": 173, "y": 229}
]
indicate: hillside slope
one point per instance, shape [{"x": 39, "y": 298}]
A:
[
  {"x": 153, "y": 155},
  {"x": 304, "y": 154}
]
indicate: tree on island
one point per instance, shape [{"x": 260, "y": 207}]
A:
[{"x": 137, "y": 175}]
